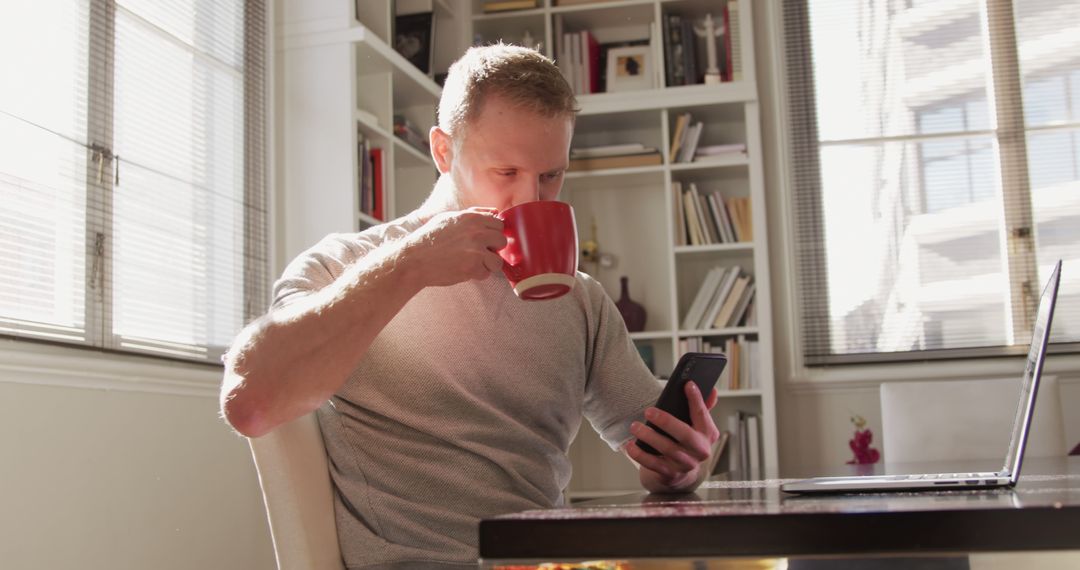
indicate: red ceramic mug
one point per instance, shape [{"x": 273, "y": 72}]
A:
[{"x": 540, "y": 257}]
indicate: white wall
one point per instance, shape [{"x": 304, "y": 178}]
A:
[
  {"x": 111, "y": 462},
  {"x": 814, "y": 405}
]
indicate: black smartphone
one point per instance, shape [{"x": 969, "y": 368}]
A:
[{"x": 701, "y": 368}]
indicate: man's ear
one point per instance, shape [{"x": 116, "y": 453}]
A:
[{"x": 442, "y": 149}]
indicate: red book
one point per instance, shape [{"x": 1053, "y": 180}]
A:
[
  {"x": 590, "y": 49},
  {"x": 377, "y": 161}
]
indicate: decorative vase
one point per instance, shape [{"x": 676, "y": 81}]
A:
[{"x": 633, "y": 314}]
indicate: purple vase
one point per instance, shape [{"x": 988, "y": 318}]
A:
[{"x": 633, "y": 314}]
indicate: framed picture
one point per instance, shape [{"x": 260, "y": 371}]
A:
[
  {"x": 413, "y": 35},
  {"x": 629, "y": 68}
]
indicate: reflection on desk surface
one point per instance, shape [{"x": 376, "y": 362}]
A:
[{"x": 1054, "y": 484}]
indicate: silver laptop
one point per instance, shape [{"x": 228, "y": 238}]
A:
[{"x": 1010, "y": 473}]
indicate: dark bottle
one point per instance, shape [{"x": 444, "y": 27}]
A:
[{"x": 632, "y": 313}]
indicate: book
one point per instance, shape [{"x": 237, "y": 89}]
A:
[
  {"x": 734, "y": 442},
  {"x": 732, "y": 35},
  {"x": 690, "y": 74},
  {"x": 697, "y": 307},
  {"x": 507, "y": 5},
  {"x": 689, "y": 146},
  {"x": 678, "y": 67},
  {"x": 680, "y": 218},
  {"x": 715, "y": 207},
  {"x": 731, "y": 300},
  {"x": 690, "y": 213},
  {"x": 679, "y": 134},
  {"x": 731, "y": 276},
  {"x": 378, "y": 196},
  {"x": 590, "y": 53},
  {"x": 743, "y": 306},
  {"x": 620, "y": 161},
  {"x": 753, "y": 445},
  {"x": 567, "y": 63},
  {"x": 703, "y": 223},
  {"x": 575, "y": 56}
]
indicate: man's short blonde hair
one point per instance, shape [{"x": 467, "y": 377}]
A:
[{"x": 522, "y": 75}]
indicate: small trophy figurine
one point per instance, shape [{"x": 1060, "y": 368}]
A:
[{"x": 708, "y": 31}]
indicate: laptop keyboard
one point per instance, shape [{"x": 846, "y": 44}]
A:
[{"x": 931, "y": 476}]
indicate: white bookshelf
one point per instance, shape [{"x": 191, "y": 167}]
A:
[
  {"x": 634, "y": 207},
  {"x": 339, "y": 78}
]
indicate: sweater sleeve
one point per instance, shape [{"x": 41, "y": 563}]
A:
[{"x": 619, "y": 385}]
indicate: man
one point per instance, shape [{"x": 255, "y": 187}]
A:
[{"x": 442, "y": 397}]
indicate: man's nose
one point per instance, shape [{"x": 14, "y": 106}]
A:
[{"x": 529, "y": 191}]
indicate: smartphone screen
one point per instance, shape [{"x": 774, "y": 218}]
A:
[{"x": 701, "y": 368}]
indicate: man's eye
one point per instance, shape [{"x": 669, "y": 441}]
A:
[
  {"x": 550, "y": 176},
  {"x": 507, "y": 172}
]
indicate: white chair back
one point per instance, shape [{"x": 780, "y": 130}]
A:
[
  {"x": 965, "y": 419},
  {"x": 295, "y": 479}
]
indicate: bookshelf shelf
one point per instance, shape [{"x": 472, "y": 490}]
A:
[
  {"x": 509, "y": 14},
  {"x": 650, "y": 335},
  {"x": 732, "y": 331},
  {"x": 743, "y": 393},
  {"x": 411, "y": 156},
  {"x": 668, "y": 97},
  {"x": 604, "y": 5},
  {"x": 685, "y": 250},
  {"x": 370, "y": 128},
  {"x": 736, "y": 159},
  {"x": 612, "y": 172}
]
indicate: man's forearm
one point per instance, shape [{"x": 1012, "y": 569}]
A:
[{"x": 288, "y": 362}]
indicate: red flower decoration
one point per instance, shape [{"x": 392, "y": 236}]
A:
[{"x": 860, "y": 444}]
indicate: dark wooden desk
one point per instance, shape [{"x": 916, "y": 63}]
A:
[{"x": 756, "y": 519}]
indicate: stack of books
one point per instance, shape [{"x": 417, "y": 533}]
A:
[
  {"x": 685, "y": 60},
  {"x": 708, "y": 218},
  {"x": 740, "y": 372},
  {"x": 370, "y": 161},
  {"x": 613, "y": 156},
  {"x": 685, "y": 145},
  {"x": 724, "y": 300},
  {"x": 744, "y": 445}
]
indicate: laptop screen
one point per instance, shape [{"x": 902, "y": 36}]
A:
[{"x": 1032, "y": 372}]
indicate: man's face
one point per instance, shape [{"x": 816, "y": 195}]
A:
[{"x": 510, "y": 156}]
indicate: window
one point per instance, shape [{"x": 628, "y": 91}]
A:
[
  {"x": 936, "y": 168},
  {"x": 131, "y": 173}
]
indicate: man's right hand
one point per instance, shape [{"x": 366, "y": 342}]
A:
[{"x": 452, "y": 247}]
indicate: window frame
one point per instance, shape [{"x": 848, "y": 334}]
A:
[
  {"x": 795, "y": 104},
  {"x": 100, "y": 349}
]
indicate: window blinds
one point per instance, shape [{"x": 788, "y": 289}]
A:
[
  {"x": 131, "y": 173},
  {"x": 936, "y": 168}
]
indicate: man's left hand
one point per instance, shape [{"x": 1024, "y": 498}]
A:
[{"x": 682, "y": 462}]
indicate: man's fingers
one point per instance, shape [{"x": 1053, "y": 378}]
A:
[
  {"x": 669, "y": 449},
  {"x": 699, "y": 412},
  {"x": 649, "y": 461},
  {"x": 689, "y": 440}
]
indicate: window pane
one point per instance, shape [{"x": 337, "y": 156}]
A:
[
  {"x": 179, "y": 205},
  {"x": 1049, "y": 43},
  {"x": 876, "y": 63},
  {"x": 42, "y": 170},
  {"x": 903, "y": 275}
]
